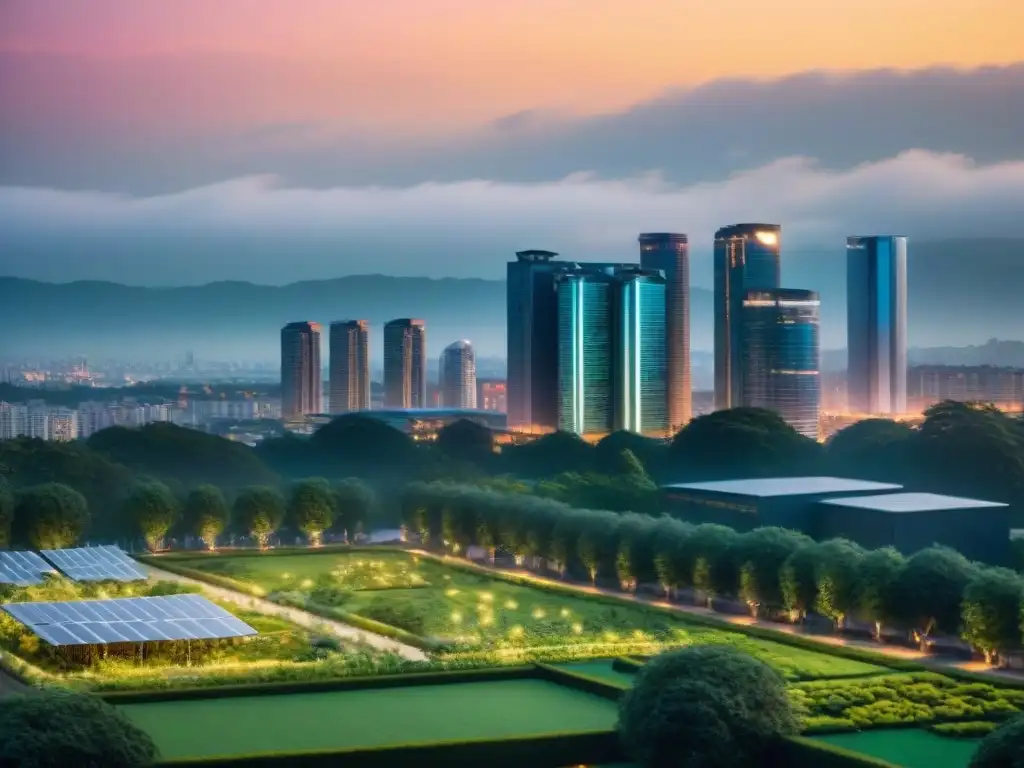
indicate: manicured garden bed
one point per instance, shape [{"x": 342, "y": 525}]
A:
[
  {"x": 369, "y": 718},
  {"x": 909, "y": 748}
]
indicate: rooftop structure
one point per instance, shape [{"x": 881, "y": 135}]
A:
[
  {"x": 766, "y": 487},
  {"x": 913, "y": 502}
]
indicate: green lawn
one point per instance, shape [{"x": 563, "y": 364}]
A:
[
  {"x": 601, "y": 669},
  {"x": 368, "y": 718},
  {"x": 478, "y": 614},
  {"x": 910, "y": 748}
]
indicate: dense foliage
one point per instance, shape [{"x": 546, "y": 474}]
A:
[
  {"x": 59, "y": 729},
  {"x": 49, "y": 516},
  {"x": 704, "y": 707},
  {"x": 1003, "y": 748}
]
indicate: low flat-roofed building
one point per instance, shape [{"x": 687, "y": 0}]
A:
[
  {"x": 980, "y": 530},
  {"x": 787, "y": 502}
]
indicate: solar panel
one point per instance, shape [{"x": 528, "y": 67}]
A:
[
  {"x": 95, "y": 564},
  {"x": 23, "y": 568},
  {"x": 129, "y": 620}
]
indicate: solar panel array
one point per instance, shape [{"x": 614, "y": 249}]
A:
[
  {"x": 129, "y": 620},
  {"x": 95, "y": 564},
  {"x": 23, "y": 568}
]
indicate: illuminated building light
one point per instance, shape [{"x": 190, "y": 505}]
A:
[{"x": 767, "y": 238}]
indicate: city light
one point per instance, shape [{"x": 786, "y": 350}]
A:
[{"x": 767, "y": 238}]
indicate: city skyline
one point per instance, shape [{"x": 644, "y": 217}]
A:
[{"x": 405, "y": 364}]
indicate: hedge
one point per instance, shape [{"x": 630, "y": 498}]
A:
[
  {"x": 627, "y": 665},
  {"x": 406, "y": 679},
  {"x": 797, "y": 752},
  {"x": 550, "y": 751},
  {"x": 326, "y": 549},
  {"x": 597, "y": 686}
]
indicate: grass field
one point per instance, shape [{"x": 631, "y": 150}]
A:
[
  {"x": 910, "y": 748},
  {"x": 368, "y": 718},
  {"x": 476, "y": 614}
]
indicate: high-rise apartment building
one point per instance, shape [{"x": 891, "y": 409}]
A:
[
  {"x": 747, "y": 257},
  {"x": 405, "y": 364},
  {"x": 301, "y": 385},
  {"x": 349, "y": 386},
  {"x": 641, "y": 379},
  {"x": 458, "y": 376},
  {"x": 781, "y": 354},
  {"x": 532, "y": 306},
  {"x": 669, "y": 253},
  {"x": 876, "y": 324}
]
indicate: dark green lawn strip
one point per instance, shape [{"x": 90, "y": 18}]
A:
[
  {"x": 368, "y": 718},
  {"x": 910, "y": 748}
]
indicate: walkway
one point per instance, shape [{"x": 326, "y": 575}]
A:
[
  {"x": 295, "y": 615},
  {"x": 892, "y": 651}
]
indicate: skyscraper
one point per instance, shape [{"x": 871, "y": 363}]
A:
[
  {"x": 350, "y": 366},
  {"x": 458, "y": 376},
  {"x": 532, "y": 306},
  {"x": 670, "y": 253},
  {"x": 405, "y": 364},
  {"x": 301, "y": 387},
  {"x": 584, "y": 336},
  {"x": 780, "y": 332},
  {"x": 641, "y": 354},
  {"x": 876, "y": 324},
  {"x": 747, "y": 256}
]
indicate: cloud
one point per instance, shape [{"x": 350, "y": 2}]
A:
[{"x": 263, "y": 230}]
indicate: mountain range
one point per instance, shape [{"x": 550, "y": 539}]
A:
[{"x": 962, "y": 292}]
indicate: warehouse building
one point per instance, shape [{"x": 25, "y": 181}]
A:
[
  {"x": 980, "y": 530},
  {"x": 787, "y": 502}
]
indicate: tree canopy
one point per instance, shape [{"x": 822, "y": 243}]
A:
[
  {"x": 259, "y": 510},
  {"x": 1003, "y": 748},
  {"x": 49, "y": 516},
  {"x": 311, "y": 507},
  {"x": 154, "y": 509},
  {"x": 206, "y": 514}
]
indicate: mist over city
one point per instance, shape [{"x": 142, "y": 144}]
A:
[{"x": 512, "y": 384}]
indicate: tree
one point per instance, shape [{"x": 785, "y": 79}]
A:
[
  {"x": 710, "y": 551},
  {"x": 360, "y": 444},
  {"x": 875, "y": 449},
  {"x": 991, "y": 611},
  {"x": 549, "y": 455},
  {"x": 354, "y": 504},
  {"x": 311, "y": 508},
  {"x": 930, "y": 588},
  {"x": 798, "y": 580},
  {"x": 6, "y": 513},
  {"x": 761, "y": 555},
  {"x": 1003, "y": 748},
  {"x": 259, "y": 510},
  {"x": 152, "y": 507},
  {"x": 207, "y": 513},
  {"x": 56, "y": 729},
  {"x": 466, "y": 440},
  {"x": 50, "y": 516},
  {"x": 649, "y": 452},
  {"x": 704, "y": 707},
  {"x": 837, "y": 579},
  {"x": 879, "y": 569},
  {"x": 597, "y": 545}
]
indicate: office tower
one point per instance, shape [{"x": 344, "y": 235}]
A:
[
  {"x": 405, "y": 364},
  {"x": 669, "y": 253},
  {"x": 876, "y": 324},
  {"x": 301, "y": 388},
  {"x": 641, "y": 353},
  {"x": 458, "y": 376},
  {"x": 532, "y": 358},
  {"x": 746, "y": 258},
  {"x": 780, "y": 331},
  {"x": 350, "y": 366},
  {"x": 492, "y": 395},
  {"x": 585, "y": 364}
]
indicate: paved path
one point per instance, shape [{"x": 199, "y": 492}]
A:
[
  {"x": 8, "y": 685},
  {"x": 295, "y": 615},
  {"x": 893, "y": 651}
]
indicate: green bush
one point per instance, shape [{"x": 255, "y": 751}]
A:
[
  {"x": 1003, "y": 748},
  {"x": 964, "y": 730}
]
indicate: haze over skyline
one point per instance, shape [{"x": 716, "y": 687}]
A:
[{"x": 158, "y": 143}]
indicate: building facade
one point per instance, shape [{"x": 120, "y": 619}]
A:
[
  {"x": 876, "y": 324},
  {"x": 747, "y": 257},
  {"x": 532, "y": 352},
  {"x": 349, "y": 378},
  {"x": 405, "y": 363},
  {"x": 458, "y": 376},
  {"x": 931, "y": 384},
  {"x": 492, "y": 395},
  {"x": 669, "y": 253},
  {"x": 642, "y": 371},
  {"x": 301, "y": 385},
  {"x": 781, "y": 355}
]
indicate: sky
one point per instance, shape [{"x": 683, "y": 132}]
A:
[{"x": 160, "y": 142}]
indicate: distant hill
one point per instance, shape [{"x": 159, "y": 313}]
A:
[{"x": 961, "y": 292}]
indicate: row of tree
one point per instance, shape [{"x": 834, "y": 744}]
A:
[
  {"x": 54, "y": 515},
  {"x": 935, "y": 590}
]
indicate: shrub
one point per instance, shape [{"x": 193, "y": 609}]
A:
[
  {"x": 1003, "y": 748},
  {"x": 59, "y": 729},
  {"x": 402, "y": 615},
  {"x": 709, "y": 706},
  {"x": 964, "y": 730}
]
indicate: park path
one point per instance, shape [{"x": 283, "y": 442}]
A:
[
  {"x": 892, "y": 651},
  {"x": 295, "y": 615}
]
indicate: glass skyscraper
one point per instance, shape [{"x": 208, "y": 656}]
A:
[
  {"x": 585, "y": 343},
  {"x": 349, "y": 366},
  {"x": 781, "y": 354},
  {"x": 457, "y": 371},
  {"x": 669, "y": 252},
  {"x": 301, "y": 384},
  {"x": 405, "y": 364},
  {"x": 876, "y": 324},
  {"x": 641, "y": 377},
  {"x": 747, "y": 257}
]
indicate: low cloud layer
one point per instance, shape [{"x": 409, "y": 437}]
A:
[{"x": 260, "y": 230}]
